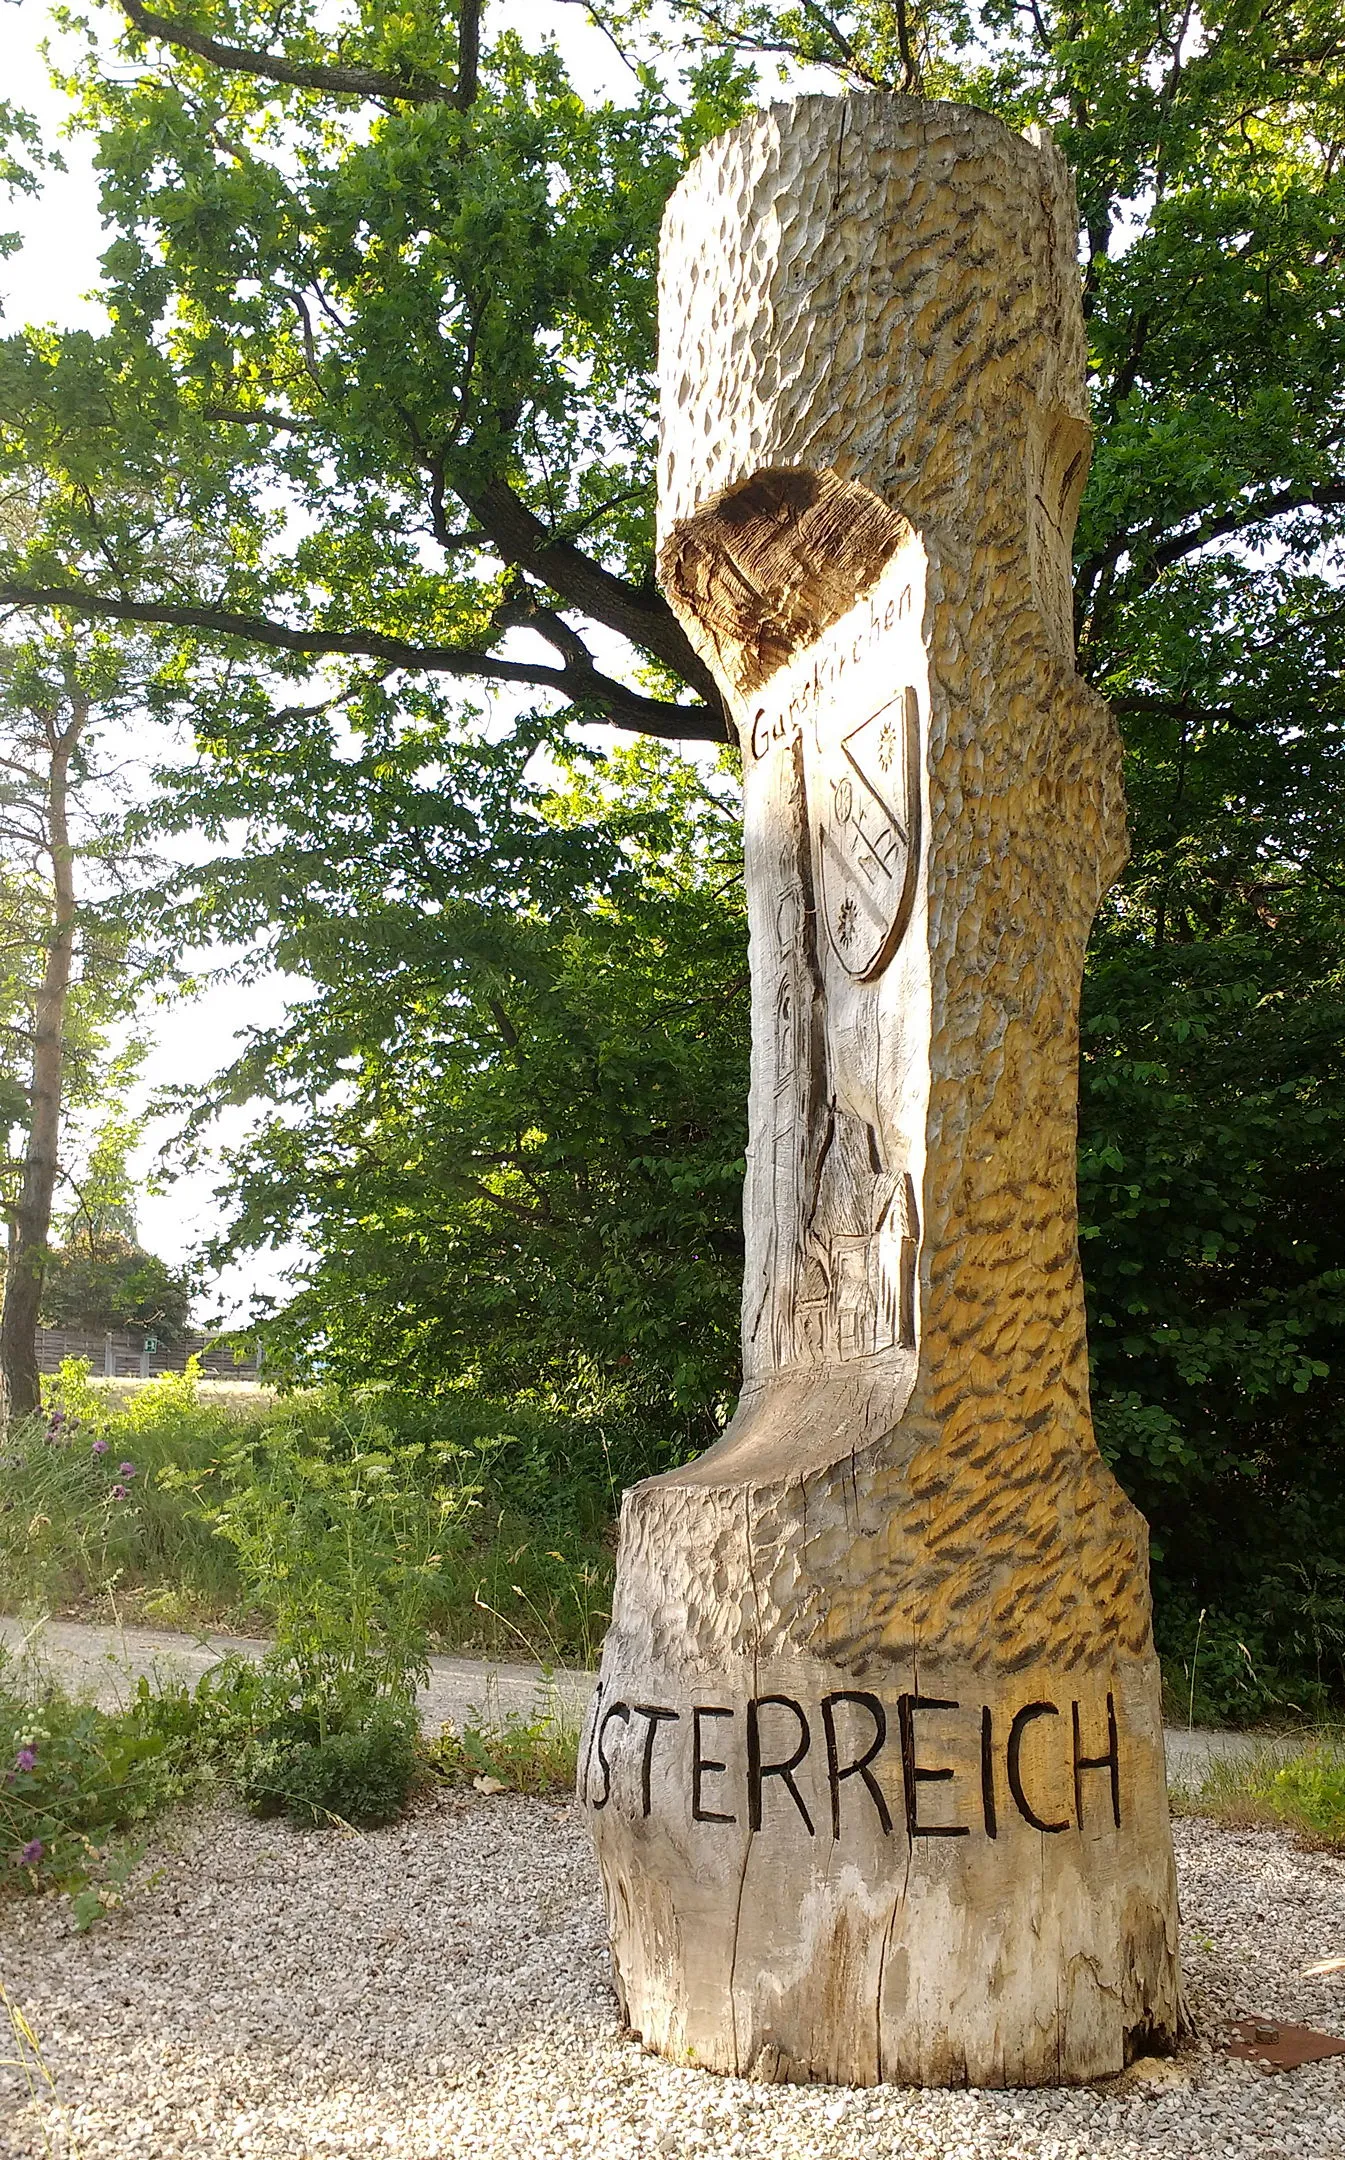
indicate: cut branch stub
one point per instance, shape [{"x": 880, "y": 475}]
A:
[{"x": 875, "y": 1765}]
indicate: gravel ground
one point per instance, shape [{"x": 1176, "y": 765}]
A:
[{"x": 439, "y": 1989}]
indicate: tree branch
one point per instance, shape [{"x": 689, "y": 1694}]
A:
[
  {"x": 1153, "y": 560},
  {"x": 1123, "y": 381},
  {"x": 513, "y": 531},
  {"x": 581, "y": 683},
  {"x": 413, "y": 88},
  {"x": 523, "y": 611},
  {"x": 508, "y": 1032},
  {"x": 910, "y": 59},
  {"x": 255, "y": 416},
  {"x": 646, "y": 619},
  {"x": 517, "y": 1208},
  {"x": 469, "y": 51},
  {"x": 1153, "y": 705},
  {"x": 1270, "y": 506}
]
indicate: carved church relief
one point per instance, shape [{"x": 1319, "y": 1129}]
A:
[{"x": 834, "y": 786}]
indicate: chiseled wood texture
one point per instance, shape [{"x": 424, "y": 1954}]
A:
[{"x": 875, "y": 1769}]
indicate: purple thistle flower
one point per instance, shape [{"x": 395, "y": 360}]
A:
[
  {"x": 25, "y": 1759},
  {"x": 32, "y": 1852},
  {"x": 99, "y": 1447},
  {"x": 119, "y": 1492},
  {"x": 126, "y": 1470}
]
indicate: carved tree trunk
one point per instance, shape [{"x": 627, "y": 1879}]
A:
[{"x": 875, "y": 1769}]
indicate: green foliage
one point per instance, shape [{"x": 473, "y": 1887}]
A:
[
  {"x": 1211, "y": 1172},
  {"x": 487, "y": 1527},
  {"x": 22, "y": 158},
  {"x": 100, "y": 1276},
  {"x": 340, "y": 1544},
  {"x": 349, "y": 347},
  {"x": 318, "y": 1753},
  {"x": 81, "y": 1785},
  {"x": 115, "y": 1284},
  {"x": 511, "y": 1752},
  {"x": 363, "y": 1776},
  {"x": 1310, "y": 1793},
  {"x": 529, "y": 1174},
  {"x": 78, "y": 1787},
  {"x": 1280, "y": 1787},
  {"x": 393, "y": 341},
  {"x": 343, "y": 1549},
  {"x": 78, "y": 1532}
]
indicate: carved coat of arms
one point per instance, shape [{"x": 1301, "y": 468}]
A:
[{"x": 865, "y": 789}]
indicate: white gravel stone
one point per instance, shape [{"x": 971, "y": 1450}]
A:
[{"x": 439, "y": 1991}]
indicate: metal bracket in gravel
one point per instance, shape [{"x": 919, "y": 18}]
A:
[{"x": 1277, "y": 2046}]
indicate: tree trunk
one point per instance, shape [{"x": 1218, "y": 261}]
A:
[
  {"x": 31, "y": 1225},
  {"x": 875, "y": 1768}
]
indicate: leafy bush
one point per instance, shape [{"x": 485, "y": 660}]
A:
[
  {"x": 1311, "y": 1793},
  {"x": 1211, "y": 1173},
  {"x": 318, "y": 1769},
  {"x": 337, "y": 1528},
  {"x": 338, "y": 1534},
  {"x": 1271, "y": 1652},
  {"x": 532, "y": 1174},
  {"x": 80, "y": 1783}
]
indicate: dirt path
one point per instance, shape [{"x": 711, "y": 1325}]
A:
[{"x": 105, "y": 1663}]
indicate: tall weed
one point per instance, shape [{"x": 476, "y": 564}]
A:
[
  {"x": 489, "y": 1523},
  {"x": 1279, "y": 1785}
]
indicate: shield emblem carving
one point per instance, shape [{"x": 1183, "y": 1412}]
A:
[{"x": 866, "y": 826}]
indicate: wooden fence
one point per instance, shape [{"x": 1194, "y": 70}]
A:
[{"x": 132, "y": 1355}]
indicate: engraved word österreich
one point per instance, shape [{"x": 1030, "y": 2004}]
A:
[{"x": 727, "y": 1766}]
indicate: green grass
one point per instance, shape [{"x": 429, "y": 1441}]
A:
[
  {"x": 81, "y": 1785},
  {"x": 360, "y": 1531},
  {"x": 1280, "y": 1786},
  {"x": 510, "y": 1753},
  {"x": 514, "y": 1503}
]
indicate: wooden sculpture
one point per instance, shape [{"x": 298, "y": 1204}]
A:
[{"x": 875, "y": 1767}]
